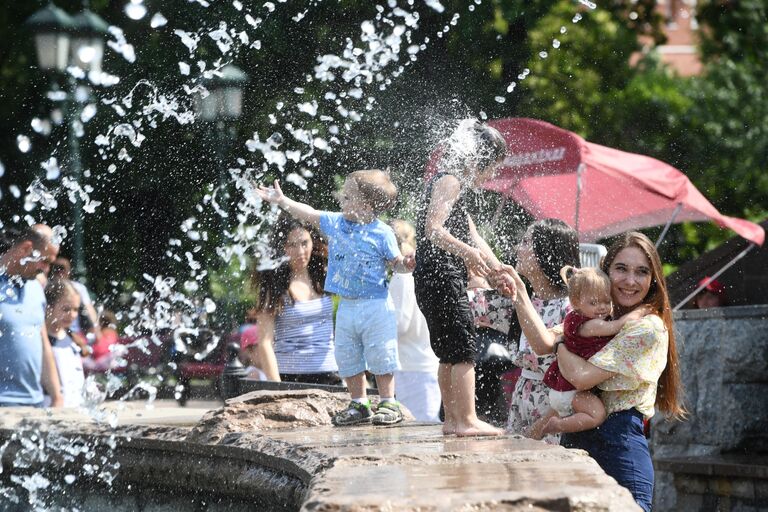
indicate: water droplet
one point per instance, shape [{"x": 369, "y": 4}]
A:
[
  {"x": 543, "y": 54},
  {"x": 158, "y": 20},
  {"x": 511, "y": 86},
  {"x": 555, "y": 43},
  {"x": 24, "y": 144},
  {"x": 576, "y": 18},
  {"x": 563, "y": 30},
  {"x": 500, "y": 99}
]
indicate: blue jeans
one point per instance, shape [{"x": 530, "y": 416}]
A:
[{"x": 620, "y": 448}]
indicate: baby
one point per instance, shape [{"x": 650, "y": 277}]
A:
[{"x": 586, "y": 330}]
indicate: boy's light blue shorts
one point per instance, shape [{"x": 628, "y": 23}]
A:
[{"x": 366, "y": 337}]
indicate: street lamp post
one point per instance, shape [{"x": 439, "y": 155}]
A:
[
  {"x": 220, "y": 110},
  {"x": 62, "y": 41}
]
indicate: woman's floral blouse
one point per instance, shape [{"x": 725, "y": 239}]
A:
[{"x": 638, "y": 356}]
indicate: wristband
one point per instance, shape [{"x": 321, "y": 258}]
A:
[{"x": 556, "y": 346}]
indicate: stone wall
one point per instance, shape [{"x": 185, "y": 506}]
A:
[{"x": 724, "y": 368}]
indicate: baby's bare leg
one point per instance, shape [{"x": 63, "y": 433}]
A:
[
  {"x": 536, "y": 431},
  {"x": 588, "y": 413}
]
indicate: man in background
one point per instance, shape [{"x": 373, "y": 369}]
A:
[{"x": 27, "y": 366}]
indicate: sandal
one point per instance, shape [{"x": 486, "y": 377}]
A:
[{"x": 355, "y": 413}]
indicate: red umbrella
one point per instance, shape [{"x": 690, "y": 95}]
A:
[{"x": 600, "y": 191}]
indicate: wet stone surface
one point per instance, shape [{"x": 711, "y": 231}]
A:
[{"x": 279, "y": 450}]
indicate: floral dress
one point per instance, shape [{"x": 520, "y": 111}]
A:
[
  {"x": 530, "y": 398},
  {"x": 490, "y": 309}
]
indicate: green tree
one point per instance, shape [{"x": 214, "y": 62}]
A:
[{"x": 729, "y": 113}]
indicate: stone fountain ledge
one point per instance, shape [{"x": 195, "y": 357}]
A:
[{"x": 270, "y": 450}]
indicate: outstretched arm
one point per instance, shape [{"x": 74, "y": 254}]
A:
[
  {"x": 481, "y": 244},
  {"x": 445, "y": 192},
  {"x": 298, "y": 210},
  {"x": 539, "y": 337}
]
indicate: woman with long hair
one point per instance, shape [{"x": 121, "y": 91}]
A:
[
  {"x": 636, "y": 372},
  {"x": 294, "y": 315}
]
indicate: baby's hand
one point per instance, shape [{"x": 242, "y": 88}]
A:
[
  {"x": 409, "y": 261},
  {"x": 272, "y": 194}
]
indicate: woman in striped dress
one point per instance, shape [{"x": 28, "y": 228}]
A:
[{"x": 295, "y": 316}]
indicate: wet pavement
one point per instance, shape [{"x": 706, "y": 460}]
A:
[{"x": 415, "y": 467}]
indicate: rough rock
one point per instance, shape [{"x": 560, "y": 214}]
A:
[{"x": 263, "y": 411}]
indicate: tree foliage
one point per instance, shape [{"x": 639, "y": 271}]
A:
[{"x": 712, "y": 127}]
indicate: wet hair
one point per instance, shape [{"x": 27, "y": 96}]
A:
[
  {"x": 555, "y": 245},
  {"x": 668, "y": 398},
  {"x": 586, "y": 282},
  {"x": 11, "y": 237},
  {"x": 272, "y": 285},
  {"x": 376, "y": 189},
  {"x": 473, "y": 144},
  {"x": 57, "y": 289}
]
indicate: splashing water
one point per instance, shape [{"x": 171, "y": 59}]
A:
[{"x": 307, "y": 127}]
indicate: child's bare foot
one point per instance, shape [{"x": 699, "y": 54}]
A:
[
  {"x": 552, "y": 427},
  {"x": 477, "y": 428},
  {"x": 536, "y": 431},
  {"x": 449, "y": 428}
]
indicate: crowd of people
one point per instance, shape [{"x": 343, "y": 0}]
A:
[
  {"x": 415, "y": 308},
  {"x": 596, "y": 352},
  {"x": 50, "y": 333}
]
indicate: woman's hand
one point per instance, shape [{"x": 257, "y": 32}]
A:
[
  {"x": 503, "y": 282},
  {"x": 474, "y": 259},
  {"x": 509, "y": 283},
  {"x": 273, "y": 194}
]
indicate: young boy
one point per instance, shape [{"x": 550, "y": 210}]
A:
[{"x": 360, "y": 248}]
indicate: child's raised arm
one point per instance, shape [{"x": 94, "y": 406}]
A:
[
  {"x": 295, "y": 209},
  {"x": 600, "y": 327}
]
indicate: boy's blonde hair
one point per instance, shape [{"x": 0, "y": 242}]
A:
[
  {"x": 376, "y": 189},
  {"x": 583, "y": 282}
]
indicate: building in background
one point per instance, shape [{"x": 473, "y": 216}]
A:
[{"x": 680, "y": 51}]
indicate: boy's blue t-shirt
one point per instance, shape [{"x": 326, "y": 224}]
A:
[
  {"x": 357, "y": 256},
  {"x": 22, "y": 315}
]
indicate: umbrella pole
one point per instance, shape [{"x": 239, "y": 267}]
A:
[
  {"x": 669, "y": 223},
  {"x": 717, "y": 274},
  {"x": 579, "y": 171}
]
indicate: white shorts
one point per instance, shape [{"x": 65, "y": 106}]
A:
[{"x": 562, "y": 402}]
